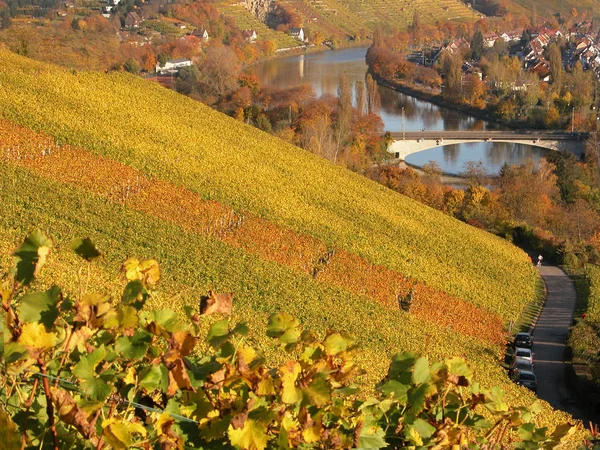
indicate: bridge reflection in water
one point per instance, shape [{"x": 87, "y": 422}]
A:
[{"x": 451, "y": 150}]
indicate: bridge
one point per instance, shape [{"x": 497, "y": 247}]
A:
[{"x": 405, "y": 143}]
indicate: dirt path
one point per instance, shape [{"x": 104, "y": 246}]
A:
[{"x": 550, "y": 336}]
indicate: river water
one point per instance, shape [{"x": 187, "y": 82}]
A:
[{"x": 322, "y": 71}]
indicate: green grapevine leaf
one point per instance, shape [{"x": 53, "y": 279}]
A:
[
  {"x": 85, "y": 370},
  {"x": 85, "y": 248},
  {"x": 401, "y": 367},
  {"x": 134, "y": 347},
  {"x": 372, "y": 437},
  {"x": 318, "y": 390},
  {"x": 30, "y": 257},
  {"x": 168, "y": 320},
  {"x": 132, "y": 294},
  {"x": 152, "y": 377},
  {"x": 41, "y": 307},
  {"x": 421, "y": 372},
  {"x": 425, "y": 429},
  {"x": 285, "y": 327},
  {"x": 86, "y": 367},
  {"x": 396, "y": 390},
  {"x": 336, "y": 343},
  {"x": 218, "y": 333}
]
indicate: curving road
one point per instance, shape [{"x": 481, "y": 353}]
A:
[{"x": 550, "y": 337}]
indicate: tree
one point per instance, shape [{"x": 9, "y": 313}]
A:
[
  {"x": 582, "y": 86},
  {"x": 373, "y": 96},
  {"x": 477, "y": 45},
  {"x": 344, "y": 115},
  {"x": 556, "y": 64},
  {"x": 131, "y": 66},
  {"x": 361, "y": 98},
  {"x": 219, "y": 72},
  {"x": 5, "y": 20},
  {"x": 452, "y": 68}
]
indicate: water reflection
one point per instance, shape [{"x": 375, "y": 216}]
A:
[
  {"x": 453, "y": 158},
  {"x": 322, "y": 71}
]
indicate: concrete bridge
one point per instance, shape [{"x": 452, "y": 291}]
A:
[{"x": 415, "y": 141}]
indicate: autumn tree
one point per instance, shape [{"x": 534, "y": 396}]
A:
[
  {"x": 361, "y": 98},
  {"x": 219, "y": 72},
  {"x": 373, "y": 96},
  {"x": 556, "y": 64},
  {"x": 452, "y": 68},
  {"x": 343, "y": 119},
  {"x": 529, "y": 191}
]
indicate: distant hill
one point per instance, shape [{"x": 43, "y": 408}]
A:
[
  {"x": 351, "y": 18},
  {"x": 146, "y": 172},
  {"x": 551, "y": 7}
]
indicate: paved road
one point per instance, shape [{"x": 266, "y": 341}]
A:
[{"x": 550, "y": 337}]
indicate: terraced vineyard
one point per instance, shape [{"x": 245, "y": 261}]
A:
[
  {"x": 246, "y": 21},
  {"x": 223, "y": 206},
  {"x": 335, "y": 17},
  {"x": 190, "y": 145},
  {"x": 550, "y": 7}
]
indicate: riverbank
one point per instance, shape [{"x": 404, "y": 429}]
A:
[
  {"x": 304, "y": 49},
  {"x": 439, "y": 100}
]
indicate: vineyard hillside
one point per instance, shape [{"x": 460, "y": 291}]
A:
[
  {"x": 146, "y": 172},
  {"x": 353, "y": 18},
  {"x": 549, "y": 8}
]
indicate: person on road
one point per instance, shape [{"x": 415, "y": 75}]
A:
[{"x": 539, "y": 263}]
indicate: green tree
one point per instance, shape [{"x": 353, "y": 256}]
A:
[
  {"x": 477, "y": 45},
  {"x": 556, "y": 64},
  {"x": 132, "y": 66}
]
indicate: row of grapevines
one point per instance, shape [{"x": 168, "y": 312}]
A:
[
  {"x": 202, "y": 263},
  {"x": 87, "y": 371},
  {"x": 183, "y": 142},
  {"x": 270, "y": 241},
  {"x": 392, "y": 289},
  {"x": 592, "y": 274}
]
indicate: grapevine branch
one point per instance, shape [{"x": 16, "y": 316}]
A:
[{"x": 49, "y": 404}]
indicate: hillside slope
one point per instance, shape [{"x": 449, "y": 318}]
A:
[
  {"x": 356, "y": 17},
  {"x": 176, "y": 139},
  {"x": 145, "y": 172}
]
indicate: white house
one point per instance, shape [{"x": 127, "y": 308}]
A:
[
  {"x": 201, "y": 33},
  {"x": 173, "y": 65},
  {"x": 250, "y": 35},
  {"x": 297, "y": 33}
]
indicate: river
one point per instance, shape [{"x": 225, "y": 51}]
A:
[{"x": 322, "y": 71}]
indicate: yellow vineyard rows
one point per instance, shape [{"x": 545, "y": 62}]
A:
[
  {"x": 193, "y": 263},
  {"x": 68, "y": 164},
  {"x": 169, "y": 137}
]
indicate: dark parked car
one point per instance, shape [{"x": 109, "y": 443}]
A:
[
  {"x": 523, "y": 340},
  {"x": 519, "y": 366},
  {"x": 527, "y": 379}
]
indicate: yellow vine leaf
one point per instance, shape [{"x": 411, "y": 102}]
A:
[
  {"x": 35, "y": 335},
  {"x": 251, "y": 437}
]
